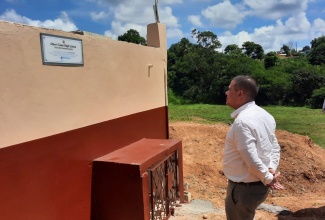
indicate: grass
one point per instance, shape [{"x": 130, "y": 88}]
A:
[{"x": 298, "y": 120}]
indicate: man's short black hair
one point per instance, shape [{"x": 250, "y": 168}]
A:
[{"x": 248, "y": 85}]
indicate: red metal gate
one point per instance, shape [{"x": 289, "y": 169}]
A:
[{"x": 164, "y": 187}]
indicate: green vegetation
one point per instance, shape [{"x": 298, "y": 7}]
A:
[
  {"x": 199, "y": 73},
  {"x": 299, "y": 120},
  {"x": 132, "y": 36}
]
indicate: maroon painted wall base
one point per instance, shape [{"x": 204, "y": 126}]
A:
[{"x": 50, "y": 178}]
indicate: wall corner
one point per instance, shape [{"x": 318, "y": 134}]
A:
[{"x": 156, "y": 36}]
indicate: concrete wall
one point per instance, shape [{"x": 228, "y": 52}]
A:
[
  {"x": 54, "y": 120},
  {"x": 39, "y": 100}
]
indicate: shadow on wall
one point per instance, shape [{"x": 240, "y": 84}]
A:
[{"x": 308, "y": 213}]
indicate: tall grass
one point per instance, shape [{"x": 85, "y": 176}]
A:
[{"x": 299, "y": 120}]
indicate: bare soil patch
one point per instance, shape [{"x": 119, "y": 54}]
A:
[{"x": 302, "y": 168}]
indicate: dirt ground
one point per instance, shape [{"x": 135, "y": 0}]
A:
[{"x": 302, "y": 168}]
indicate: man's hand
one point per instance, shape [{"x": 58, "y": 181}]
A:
[{"x": 275, "y": 184}]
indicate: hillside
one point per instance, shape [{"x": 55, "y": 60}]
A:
[{"x": 302, "y": 168}]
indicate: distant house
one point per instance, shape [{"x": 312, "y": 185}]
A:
[{"x": 282, "y": 55}]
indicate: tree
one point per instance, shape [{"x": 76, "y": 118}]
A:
[
  {"x": 233, "y": 49},
  {"x": 254, "y": 51},
  {"x": 193, "y": 69},
  {"x": 270, "y": 60},
  {"x": 132, "y": 36},
  {"x": 286, "y": 49},
  {"x": 305, "y": 49},
  {"x": 317, "y": 98},
  {"x": 316, "y": 55},
  {"x": 178, "y": 50},
  {"x": 197, "y": 73},
  {"x": 175, "y": 55},
  {"x": 304, "y": 82},
  {"x": 274, "y": 85},
  {"x": 206, "y": 39}
]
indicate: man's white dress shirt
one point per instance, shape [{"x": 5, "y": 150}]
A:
[{"x": 251, "y": 147}]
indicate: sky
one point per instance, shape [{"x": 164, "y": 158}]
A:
[{"x": 270, "y": 23}]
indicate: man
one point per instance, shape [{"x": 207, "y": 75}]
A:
[{"x": 251, "y": 153}]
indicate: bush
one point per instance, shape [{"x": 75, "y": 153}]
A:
[
  {"x": 174, "y": 99},
  {"x": 317, "y": 98}
]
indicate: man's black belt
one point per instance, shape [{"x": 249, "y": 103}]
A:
[{"x": 249, "y": 184}]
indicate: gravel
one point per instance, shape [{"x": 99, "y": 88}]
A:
[
  {"x": 200, "y": 207},
  {"x": 196, "y": 207},
  {"x": 273, "y": 209}
]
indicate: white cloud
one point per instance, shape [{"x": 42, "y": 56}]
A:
[
  {"x": 136, "y": 12},
  {"x": 174, "y": 33},
  {"x": 138, "y": 15},
  {"x": 276, "y": 9},
  {"x": 272, "y": 37},
  {"x": 167, "y": 17},
  {"x": 110, "y": 34},
  {"x": 98, "y": 16},
  {"x": 141, "y": 13},
  {"x": 319, "y": 25},
  {"x": 195, "y": 20},
  {"x": 225, "y": 15},
  {"x": 119, "y": 28},
  {"x": 145, "y": 3},
  {"x": 169, "y": 2},
  {"x": 228, "y": 38},
  {"x": 317, "y": 29},
  {"x": 11, "y": 15},
  {"x": 297, "y": 23},
  {"x": 62, "y": 23}
]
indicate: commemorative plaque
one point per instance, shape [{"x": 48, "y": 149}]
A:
[{"x": 59, "y": 50}]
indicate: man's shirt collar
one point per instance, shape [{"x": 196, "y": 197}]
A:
[{"x": 240, "y": 109}]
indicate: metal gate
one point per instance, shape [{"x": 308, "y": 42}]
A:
[{"x": 164, "y": 187}]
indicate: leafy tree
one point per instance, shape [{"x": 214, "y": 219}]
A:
[
  {"x": 233, "y": 49},
  {"x": 304, "y": 82},
  {"x": 132, "y": 36},
  {"x": 270, "y": 60},
  {"x": 175, "y": 55},
  {"x": 286, "y": 49},
  {"x": 197, "y": 73},
  {"x": 192, "y": 68},
  {"x": 178, "y": 50},
  {"x": 274, "y": 85},
  {"x": 317, "y": 98},
  {"x": 305, "y": 49},
  {"x": 316, "y": 55},
  {"x": 253, "y": 50},
  {"x": 290, "y": 65},
  {"x": 206, "y": 39}
]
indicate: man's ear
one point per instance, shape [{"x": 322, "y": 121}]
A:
[{"x": 241, "y": 92}]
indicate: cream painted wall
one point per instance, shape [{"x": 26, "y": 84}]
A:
[{"x": 40, "y": 100}]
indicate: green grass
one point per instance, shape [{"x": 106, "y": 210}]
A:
[{"x": 299, "y": 120}]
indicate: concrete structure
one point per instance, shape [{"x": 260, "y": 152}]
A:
[
  {"x": 55, "y": 120},
  {"x": 121, "y": 178}
]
